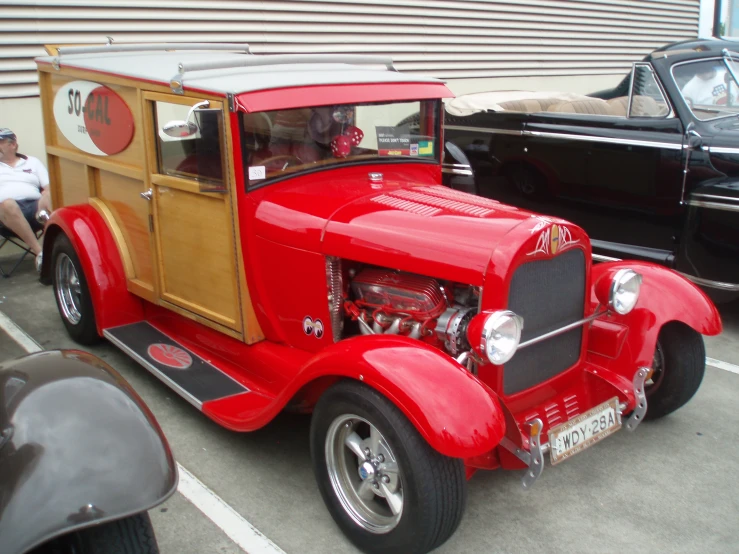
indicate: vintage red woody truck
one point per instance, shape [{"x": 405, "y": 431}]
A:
[{"x": 263, "y": 233}]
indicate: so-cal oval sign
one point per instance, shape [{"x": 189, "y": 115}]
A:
[{"x": 93, "y": 118}]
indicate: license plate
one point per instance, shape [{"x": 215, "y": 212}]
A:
[{"x": 579, "y": 433}]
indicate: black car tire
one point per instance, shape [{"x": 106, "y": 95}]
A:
[
  {"x": 432, "y": 486},
  {"x": 680, "y": 362},
  {"x": 131, "y": 535},
  {"x": 72, "y": 293},
  {"x": 528, "y": 181}
]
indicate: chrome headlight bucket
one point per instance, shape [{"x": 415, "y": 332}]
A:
[
  {"x": 499, "y": 336},
  {"x": 624, "y": 291}
]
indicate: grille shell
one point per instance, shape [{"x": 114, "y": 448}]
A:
[{"x": 548, "y": 294}]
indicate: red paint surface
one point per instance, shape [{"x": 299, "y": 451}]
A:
[{"x": 108, "y": 120}]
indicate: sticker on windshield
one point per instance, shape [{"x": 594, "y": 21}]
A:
[
  {"x": 256, "y": 173},
  {"x": 390, "y": 142}
]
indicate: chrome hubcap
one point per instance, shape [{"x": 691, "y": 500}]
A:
[
  {"x": 68, "y": 289},
  {"x": 364, "y": 474}
]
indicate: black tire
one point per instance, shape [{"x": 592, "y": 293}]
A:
[
  {"x": 74, "y": 304},
  {"x": 528, "y": 181},
  {"x": 131, "y": 535},
  {"x": 432, "y": 486},
  {"x": 679, "y": 365}
]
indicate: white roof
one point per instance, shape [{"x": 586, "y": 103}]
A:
[{"x": 162, "y": 66}]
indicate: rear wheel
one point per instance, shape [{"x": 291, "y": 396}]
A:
[
  {"x": 385, "y": 487},
  {"x": 528, "y": 181},
  {"x": 131, "y": 535},
  {"x": 72, "y": 293},
  {"x": 677, "y": 370}
]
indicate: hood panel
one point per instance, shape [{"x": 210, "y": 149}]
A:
[{"x": 426, "y": 229}]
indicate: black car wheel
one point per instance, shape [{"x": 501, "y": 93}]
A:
[
  {"x": 528, "y": 181},
  {"x": 72, "y": 293},
  {"x": 131, "y": 535},
  {"x": 385, "y": 487},
  {"x": 677, "y": 372}
]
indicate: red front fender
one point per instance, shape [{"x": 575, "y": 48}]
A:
[
  {"x": 100, "y": 260},
  {"x": 665, "y": 296},
  {"x": 451, "y": 409}
]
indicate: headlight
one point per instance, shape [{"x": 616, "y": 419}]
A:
[
  {"x": 624, "y": 291},
  {"x": 501, "y": 334}
]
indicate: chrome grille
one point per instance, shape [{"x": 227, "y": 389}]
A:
[{"x": 548, "y": 294}]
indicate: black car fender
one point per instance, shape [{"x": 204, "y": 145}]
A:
[{"x": 78, "y": 447}]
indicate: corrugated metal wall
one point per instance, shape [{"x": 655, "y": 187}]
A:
[{"x": 447, "y": 39}]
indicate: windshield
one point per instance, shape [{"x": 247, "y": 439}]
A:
[
  {"x": 282, "y": 142},
  {"x": 708, "y": 87}
]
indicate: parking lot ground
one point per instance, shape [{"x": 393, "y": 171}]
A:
[{"x": 670, "y": 486}]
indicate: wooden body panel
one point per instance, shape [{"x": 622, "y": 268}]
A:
[{"x": 178, "y": 250}]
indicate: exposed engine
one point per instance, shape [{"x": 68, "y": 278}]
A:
[{"x": 392, "y": 302}]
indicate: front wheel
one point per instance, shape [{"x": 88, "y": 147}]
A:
[
  {"x": 383, "y": 484},
  {"x": 72, "y": 293},
  {"x": 677, "y": 370},
  {"x": 131, "y": 535}
]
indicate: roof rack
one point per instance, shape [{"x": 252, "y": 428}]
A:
[
  {"x": 176, "y": 83},
  {"x": 153, "y": 47},
  {"x": 144, "y": 47}
]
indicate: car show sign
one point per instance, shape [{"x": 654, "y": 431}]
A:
[{"x": 93, "y": 118}]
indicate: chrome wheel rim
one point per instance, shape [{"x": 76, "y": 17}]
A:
[
  {"x": 68, "y": 289},
  {"x": 364, "y": 474}
]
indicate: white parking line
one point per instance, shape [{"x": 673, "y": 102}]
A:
[
  {"x": 213, "y": 507},
  {"x": 722, "y": 365}
]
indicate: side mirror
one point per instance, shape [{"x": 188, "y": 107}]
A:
[
  {"x": 695, "y": 141},
  {"x": 184, "y": 128}
]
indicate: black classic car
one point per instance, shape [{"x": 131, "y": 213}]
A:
[{"x": 649, "y": 168}]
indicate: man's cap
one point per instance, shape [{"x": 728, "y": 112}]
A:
[{"x": 6, "y": 133}]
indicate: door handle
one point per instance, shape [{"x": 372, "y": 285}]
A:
[{"x": 147, "y": 195}]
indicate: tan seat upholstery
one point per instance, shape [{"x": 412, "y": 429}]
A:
[
  {"x": 618, "y": 105},
  {"x": 594, "y": 106},
  {"x": 526, "y": 106},
  {"x": 641, "y": 106}
]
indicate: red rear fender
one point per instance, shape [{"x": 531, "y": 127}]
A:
[
  {"x": 101, "y": 263},
  {"x": 451, "y": 409}
]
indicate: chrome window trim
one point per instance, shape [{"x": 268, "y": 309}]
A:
[
  {"x": 714, "y": 205},
  {"x": 722, "y": 150},
  {"x": 490, "y": 131},
  {"x": 715, "y": 197},
  {"x": 731, "y": 287},
  {"x": 457, "y": 169},
  {"x": 607, "y": 140},
  {"x": 670, "y": 113}
]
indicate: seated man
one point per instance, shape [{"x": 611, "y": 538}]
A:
[
  {"x": 709, "y": 86},
  {"x": 24, "y": 193}
]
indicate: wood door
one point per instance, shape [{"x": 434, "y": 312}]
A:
[{"x": 196, "y": 256}]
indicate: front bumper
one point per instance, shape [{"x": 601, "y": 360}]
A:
[{"x": 532, "y": 431}]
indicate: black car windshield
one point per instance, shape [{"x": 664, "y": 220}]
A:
[
  {"x": 281, "y": 142},
  {"x": 708, "y": 87}
]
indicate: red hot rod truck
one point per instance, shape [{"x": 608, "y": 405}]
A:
[{"x": 263, "y": 233}]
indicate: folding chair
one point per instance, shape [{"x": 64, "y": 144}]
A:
[{"x": 8, "y": 236}]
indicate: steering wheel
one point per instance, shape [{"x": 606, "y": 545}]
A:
[{"x": 287, "y": 157}]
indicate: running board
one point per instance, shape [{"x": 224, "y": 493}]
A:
[{"x": 196, "y": 380}]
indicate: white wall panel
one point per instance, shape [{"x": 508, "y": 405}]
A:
[{"x": 472, "y": 39}]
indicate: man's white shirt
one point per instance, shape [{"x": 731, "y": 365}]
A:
[{"x": 24, "y": 181}]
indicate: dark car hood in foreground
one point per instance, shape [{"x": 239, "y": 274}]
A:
[{"x": 81, "y": 448}]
